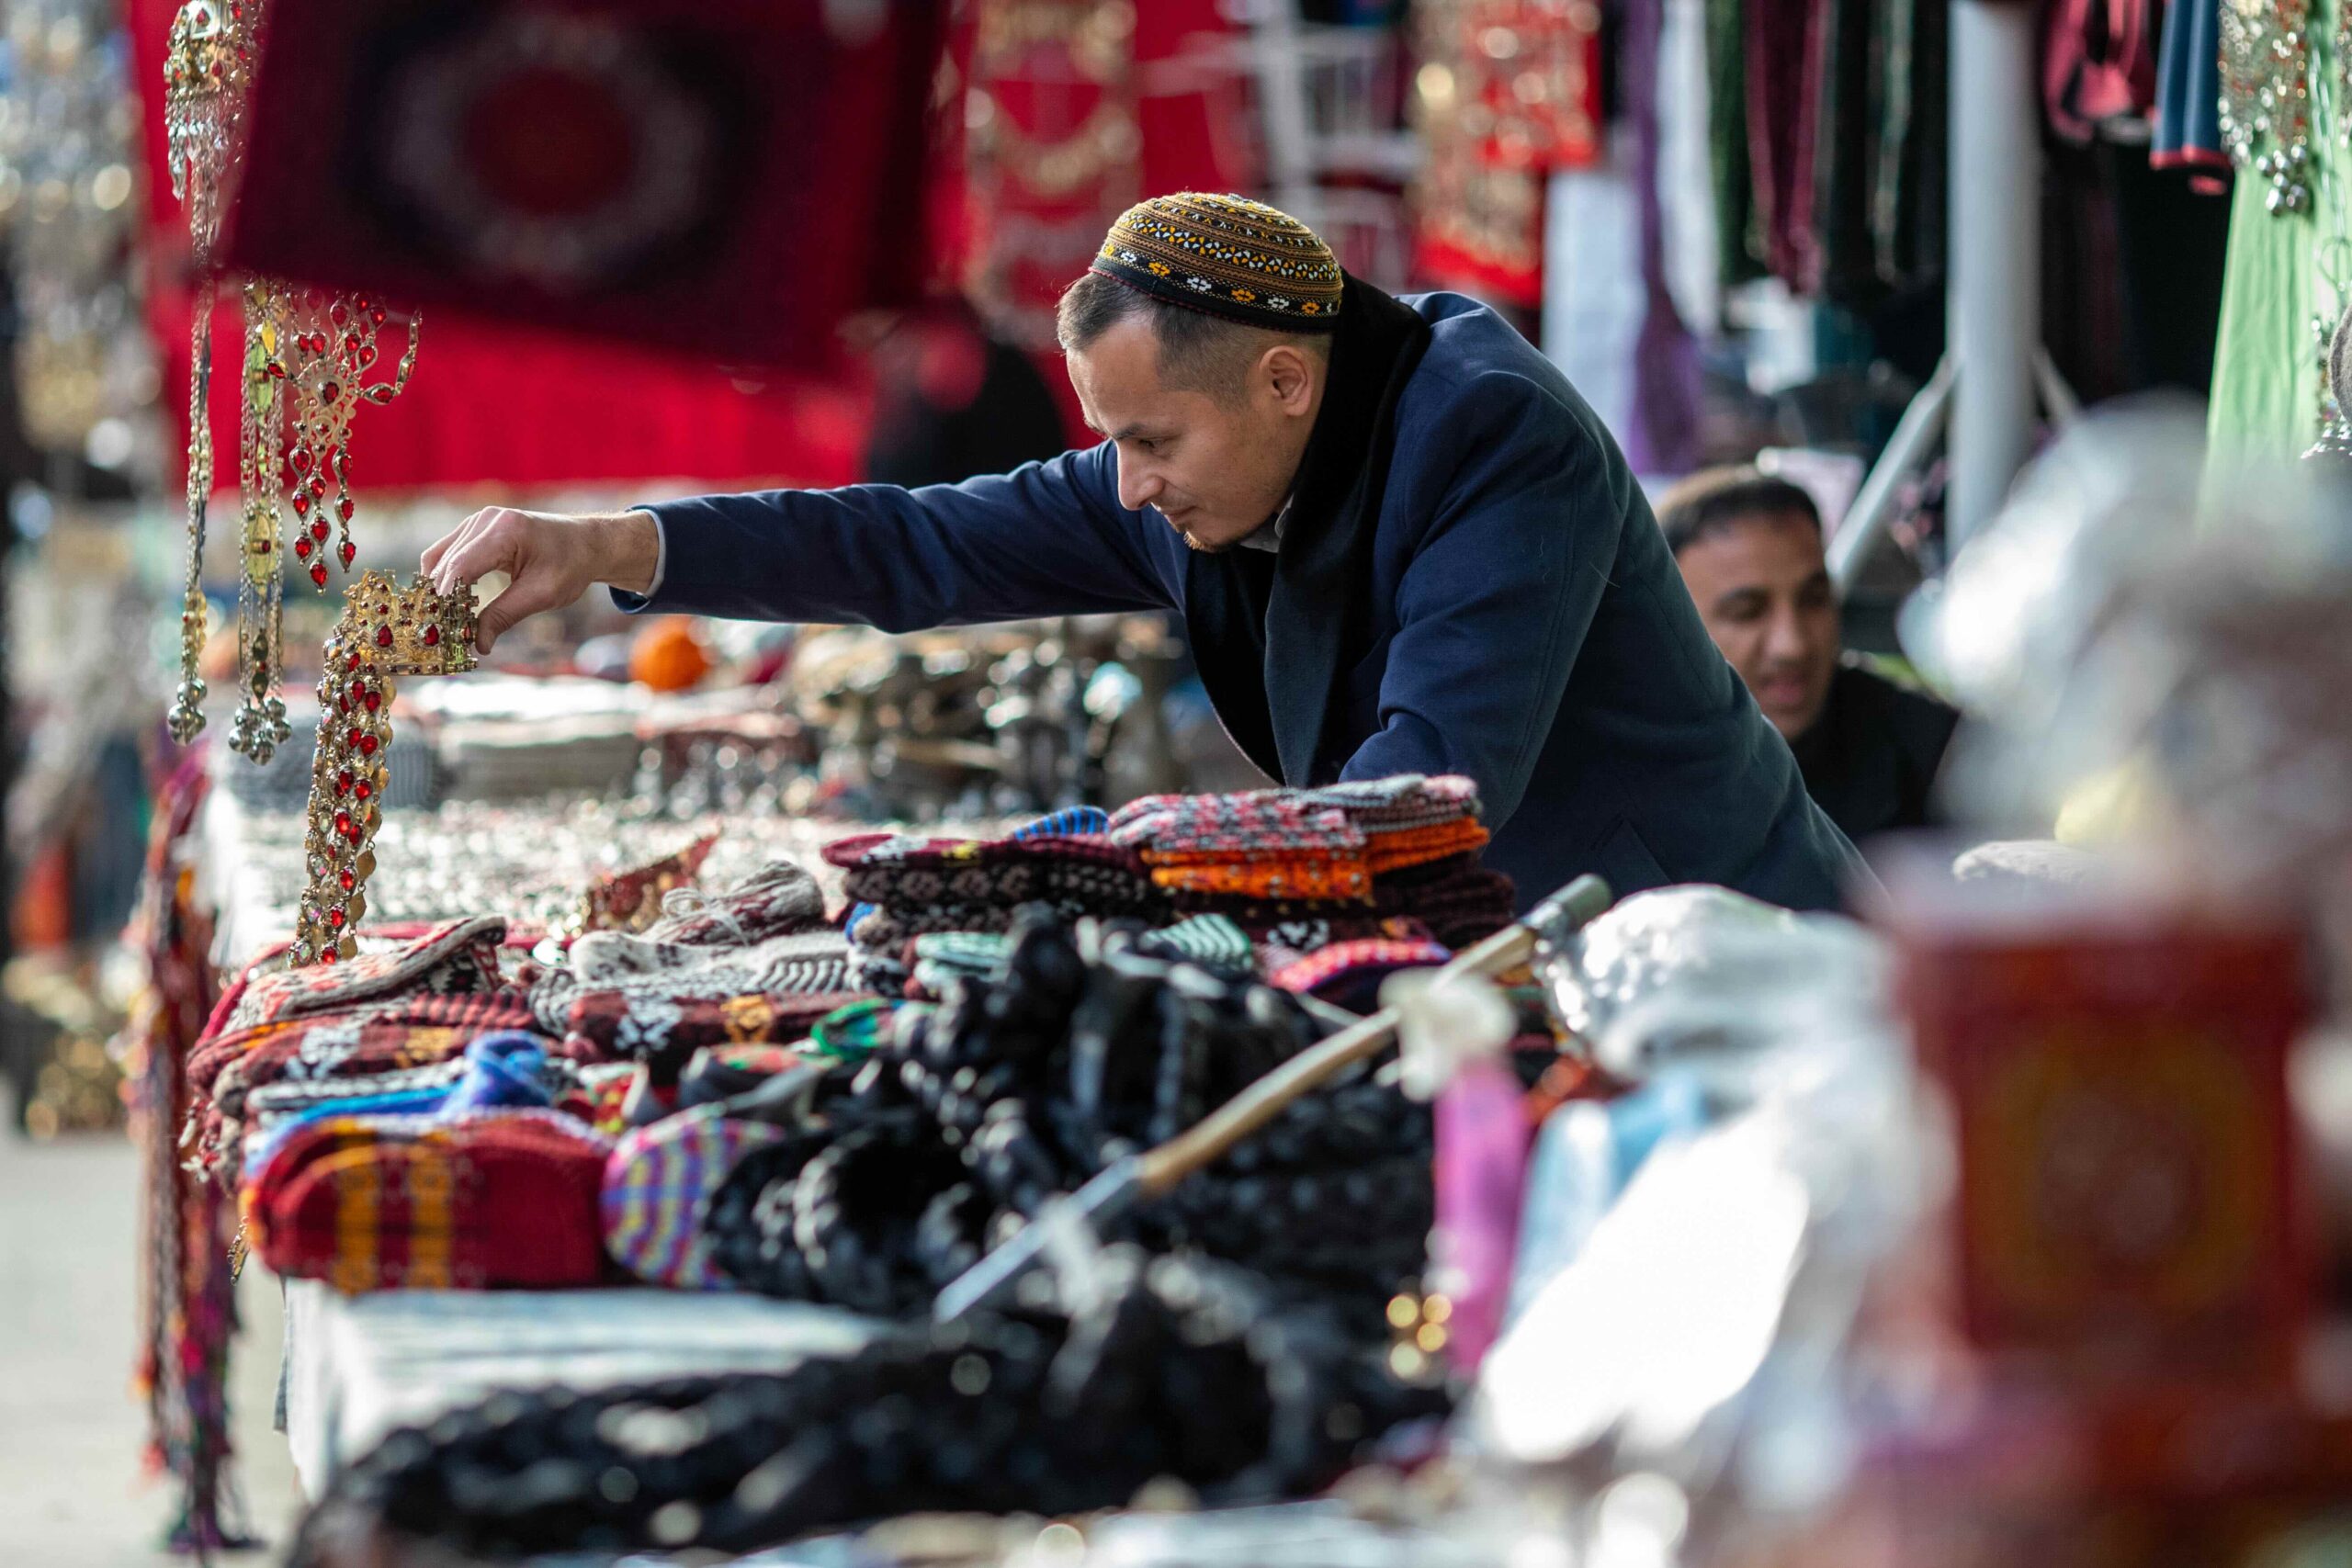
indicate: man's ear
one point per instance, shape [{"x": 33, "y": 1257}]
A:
[{"x": 1286, "y": 368}]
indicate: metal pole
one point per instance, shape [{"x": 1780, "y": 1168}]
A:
[
  {"x": 1995, "y": 309},
  {"x": 1276, "y": 46},
  {"x": 1907, "y": 451}
]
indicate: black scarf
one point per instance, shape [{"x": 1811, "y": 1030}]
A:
[{"x": 1272, "y": 632}]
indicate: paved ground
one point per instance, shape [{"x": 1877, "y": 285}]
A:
[{"x": 71, "y": 1491}]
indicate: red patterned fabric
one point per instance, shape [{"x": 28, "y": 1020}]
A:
[
  {"x": 630, "y": 172},
  {"x": 1348, "y": 972},
  {"x": 262, "y": 1052},
  {"x": 456, "y": 957},
  {"x": 570, "y": 411},
  {"x": 392, "y": 1202}
]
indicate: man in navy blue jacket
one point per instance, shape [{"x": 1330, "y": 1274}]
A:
[{"x": 1399, "y": 540}]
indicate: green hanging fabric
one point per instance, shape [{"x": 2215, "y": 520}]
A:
[
  {"x": 2285, "y": 272},
  {"x": 2266, "y": 365},
  {"x": 1740, "y": 242}
]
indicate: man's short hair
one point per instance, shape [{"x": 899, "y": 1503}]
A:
[
  {"x": 1198, "y": 352},
  {"x": 1715, "y": 499}
]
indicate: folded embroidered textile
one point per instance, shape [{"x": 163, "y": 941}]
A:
[
  {"x": 851, "y": 1032},
  {"x": 664, "y": 1033},
  {"x": 1331, "y": 879},
  {"x": 495, "y": 1199},
  {"x": 1391, "y": 852},
  {"x": 1334, "y": 816},
  {"x": 455, "y": 957},
  {"x": 1282, "y": 942},
  {"x": 387, "y": 1037},
  {"x": 778, "y": 899},
  {"x": 1103, "y": 876},
  {"x": 1460, "y": 900},
  {"x": 311, "y": 1045},
  {"x": 1071, "y": 822},
  {"x": 1262, "y": 822},
  {"x": 508, "y": 1069},
  {"x": 942, "y": 957},
  {"x": 882, "y": 938},
  {"x": 1401, "y": 800},
  {"x": 1327, "y": 845},
  {"x": 624, "y": 972},
  {"x": 656, "y": 1181},
  {"x": 603, "y": 1101},
  {"x": 1349, "y": 972},
  {"x": 875, "y": 928}
]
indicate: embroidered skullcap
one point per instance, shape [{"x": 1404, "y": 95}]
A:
[{"x": 1227, "y": 255}]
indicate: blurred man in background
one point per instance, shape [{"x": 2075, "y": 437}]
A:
[{"x": 1751, "y": 550}]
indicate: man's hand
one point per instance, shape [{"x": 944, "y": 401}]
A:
[{"x": 550, "y": 560}]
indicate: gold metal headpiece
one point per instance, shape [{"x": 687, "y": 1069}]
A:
[{"x": 385, "y": 631}]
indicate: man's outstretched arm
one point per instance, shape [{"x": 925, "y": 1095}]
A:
[{"x": 1047, "y": 539}]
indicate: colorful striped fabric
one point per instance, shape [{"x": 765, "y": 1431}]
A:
[
  {"x": 657, "y": 1181},
  {"x": 1349, "y": 972},
  {"x": 370, "y": 1203},
  {"x": 1072, "y": 822}
]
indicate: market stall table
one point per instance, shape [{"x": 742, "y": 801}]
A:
[{"x": 358, "y": 1368}]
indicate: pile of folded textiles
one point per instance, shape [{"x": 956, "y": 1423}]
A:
[
  {"x": 440, "y": 1111},
  {"x": 909, "y": 1138},
  {"x": 1299, "y": 869},
  {"x": 901, "y": 889},
  {"x": 758, "y": 963},
  {"x": 1294, "y": 870}
]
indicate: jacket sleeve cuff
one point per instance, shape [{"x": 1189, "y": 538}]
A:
[{"x": 631, "y": 603}]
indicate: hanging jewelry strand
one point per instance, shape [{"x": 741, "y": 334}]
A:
[
  {"x": 327, "y": 346},
  {"x": 186, "y": 717},
  {"x": 203, "y": 71},
  {"x": 261, "y": 726}
]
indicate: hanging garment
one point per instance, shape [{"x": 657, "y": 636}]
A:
[
  {"x": 2266, "y": 365},
  {"x": 1783, "y": 99},
  {"x": 1848, "y": 132},
  {"x": 2288, "y": 276},
  {"x": 1687, "y": 188},
  {"x": 1738, "y": 239},
  {"x": 1663, "y": 438},
  {"x": 2188, "y": 92},
  {"x": 1908, "y": 187},
  {"x": 2098, "y": 65}
]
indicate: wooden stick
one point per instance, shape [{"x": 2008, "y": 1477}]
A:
[{"x": 1209, "y": 1139}]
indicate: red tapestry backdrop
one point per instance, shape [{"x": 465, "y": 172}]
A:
[{"x": 511, "y": 410}]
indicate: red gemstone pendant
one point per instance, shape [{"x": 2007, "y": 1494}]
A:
[
  {"x": 348, "y": 550},
  {"x": 367, "y": 745},
  {"x": 319, "y": 574},
  {"x": 302, "y": 546}
]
